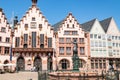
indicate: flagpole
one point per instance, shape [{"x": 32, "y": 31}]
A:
[{"x": 12, "y": 28}]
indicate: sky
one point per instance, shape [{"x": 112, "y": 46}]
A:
[{"x": 57, "y": 10}]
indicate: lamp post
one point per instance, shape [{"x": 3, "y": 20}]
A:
[{"x": 16, "y": 62}]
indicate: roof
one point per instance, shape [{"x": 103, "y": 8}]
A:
[
  {"x": 105, "y": 23},
  {"x": 87, "y": 26},
  {"x": 57, "y": 25}
]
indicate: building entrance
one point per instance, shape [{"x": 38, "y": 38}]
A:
[
  {"x": 20, "y": 64},
  {"x": 37, "y": 63}
]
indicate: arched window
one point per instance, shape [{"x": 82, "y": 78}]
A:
[
  {"x": 64, "y": 64},
  {"x": 82, "y": 63}
]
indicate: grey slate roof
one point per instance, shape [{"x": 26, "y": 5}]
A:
[
  {"x": 87, "y": 26},
  {"x": 105, "y": 23},
  {"x": 57, "y": 25}
]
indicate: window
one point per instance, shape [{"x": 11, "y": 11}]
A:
[
  {"x": 96, "y": 44},
  {"x": 113, "y": 37},
  {"x": 109, "y": 36},
  {"x": 74, "y": 32},
  {"x": 81, "y": 40},
  {"x": 74, "y": 39},
  {"x": 67, "y": 32},
  {"x": 68, "y": 40},
  {"x": 25, "y": 46},
  {"x": 104, "y": 44},
  {"x": 67, "y": 25},
  {"x": 40, "y": 26},
  {"x": 7, "y": 39},
  {"x": 61, "y": 50},
  {"x": 6, "y": 50},
  {"x": 61, "y": 40},
  {"x": 64, "y": 64},
  {"x": 33, "y": 18},
  {"x": 3, "y": 29},
  {"x": 114, "y": 44},
  {"x": 92, "y": 65},
  {"x": 17, "y": 41},
  {"x": 91, "y": 35},
  {"x": 41, "y": 38},
  {"x": 49, "y": 42},
  {"x": 81, "y": 63},
  {"x": 99, "y": 36},
  {"x": 33, "y": 39},
  {"x": 103, "y": 37},
  {"x": 25, "y": 38},
  {"x": 92, "y": 43},
  {"x": 33, "y": 25},
  {"x": 96, "y": 65},
  {"x": 26, "y": 26},
  {"x": 100, "y": 44},
  {"x": 0, "y": 39},
  {"x": 104, "y": 65},
  {"x": 82, "y": 50},
  {"x": 95, "y": 36},
  {"x": 73, "y": 26},
  {"x": 68, "y": 50},
  {"x": 100, "y": 64}
]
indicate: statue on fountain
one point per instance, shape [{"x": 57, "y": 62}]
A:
[{"x": 75, "y": 57}]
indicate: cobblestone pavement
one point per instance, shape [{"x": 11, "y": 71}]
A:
[{"x": 19, "y": 76}]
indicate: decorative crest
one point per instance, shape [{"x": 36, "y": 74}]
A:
[{"x": 34, "y": 2}]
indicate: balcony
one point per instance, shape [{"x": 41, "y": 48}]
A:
[{"x": 32, "y": 50}]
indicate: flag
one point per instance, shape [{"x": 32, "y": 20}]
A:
[{"x": 11, "y": 53}]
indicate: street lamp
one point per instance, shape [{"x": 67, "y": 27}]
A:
[
  {"x": 17, "y": 54},
  {"x": 49, "y": 60}
]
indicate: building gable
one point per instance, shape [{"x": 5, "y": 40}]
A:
[
  {"x": 97, "y": 28},
  {"x": 113, "y": 29},
  {"x": 68, "y": 26}
]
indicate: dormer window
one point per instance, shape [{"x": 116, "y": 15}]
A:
[{"x": 33, "y": 18}]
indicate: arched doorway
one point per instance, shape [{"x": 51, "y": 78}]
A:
[
  {"x": 20, "y": 64},
  {"x": 38, "y": 63},
  {"x": 64, "y": 64},
  {"x": 6, "y": 69},
  {"x": 49, "y": 63}
]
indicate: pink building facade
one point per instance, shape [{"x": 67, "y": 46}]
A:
[
  {"x": 33, "y": 41},
  {"x": 5, "y": 39},
  {"x": 66, "y": 31}
]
